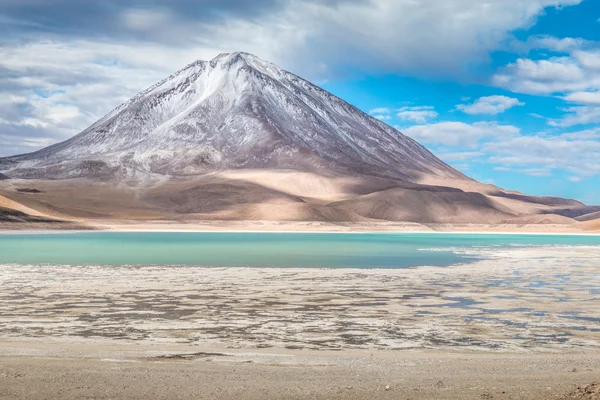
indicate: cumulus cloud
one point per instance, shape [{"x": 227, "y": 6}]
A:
[
  {"x": 576, "y": 73},
  {"x": 492, "y": 105},
  {"x": 573, "y": 76},
  {"x": 418, "y": 114},
  {"x": 381, "y": 34},
  {"x": 579, "y": 156},
  {"x": 577, "y": 116},
  {"x": 506, "y": 147},
  {"x": 560, "y": 45},
  {"x": 584, "y": 97},
  {"x": 555, "y": 75},
  {"x": 583, "y": 135},
  {"x": 460, "y": 134}
]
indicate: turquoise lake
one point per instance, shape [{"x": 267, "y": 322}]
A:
[{"x": 328, "y": 250}]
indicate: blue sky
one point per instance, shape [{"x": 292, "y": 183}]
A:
[{"x": 507, "y": 91}]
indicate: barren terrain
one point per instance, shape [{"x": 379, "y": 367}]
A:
[{"x": 276, "y": 200}]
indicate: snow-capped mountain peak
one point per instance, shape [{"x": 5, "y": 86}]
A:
[{"x": 233, "y": 112}]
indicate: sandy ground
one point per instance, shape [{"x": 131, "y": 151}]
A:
[
  {"x": 135, "y": 372},
  {"x": 590, "y": 227},
  {"x": 593, "y": 225},
  {"x": 317, "y": 226},
  {"x": 521, "y": 324}
]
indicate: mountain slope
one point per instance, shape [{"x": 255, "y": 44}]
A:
[
  {"x": 233, "y": 112},
  {"x": 592, "y": 225},
  {"x": 589, "y": 217},
  {"x": 16, "y": 215}
]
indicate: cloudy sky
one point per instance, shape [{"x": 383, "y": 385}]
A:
[{"x": 507, "y": 91}]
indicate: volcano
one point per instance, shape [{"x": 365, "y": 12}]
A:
[
  {"x": 233, "y": 112},
  {"x": 238, "y": 138}
]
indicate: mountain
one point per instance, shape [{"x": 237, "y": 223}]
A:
[
  {"x": 233, "y": 112},
  {"x": 237, "y": 139}
]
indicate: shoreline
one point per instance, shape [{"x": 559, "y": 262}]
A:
[
  {"x": 307, "y": 228},
  {"x": 512, "y": 233}
]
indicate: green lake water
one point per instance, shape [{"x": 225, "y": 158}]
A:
[{"x": 329, "y": 250}]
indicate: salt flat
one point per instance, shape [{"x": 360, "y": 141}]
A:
[{"x": 521, "y": 299}]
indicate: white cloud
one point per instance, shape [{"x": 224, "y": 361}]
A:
[
  {"x": 490, "y": 105},
  {"x": 381, "y": 110},
  {"x": 460, "y": 133},
  {"x": 419, "y": 114},
  {"x": 592, "y": 98},
  {"x": 581, "y": 157},
  {"x": 389, "y": 35},
  {"x": 582, "y": 115},
  {"x": 575, "y": 75},
  {"x": 460, "y": 155},
  {"x": 538, "y": 172},
  {"x": 582, "y": 135},
  {"x": 560, "y": 45},
  {"x": 382, "y": 113},
  {"x": 556, "y": 75},
  {"x": 383, "y": 117},
  {"x": 378, "y": 35},
  {"x": 577, "y": 152},
  {"x": 588, "y": 59}
]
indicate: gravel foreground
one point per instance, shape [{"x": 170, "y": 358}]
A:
[{"x": 62, "y": 371}]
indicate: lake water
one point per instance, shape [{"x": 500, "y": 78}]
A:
[{"x": 330, "y": 250}]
